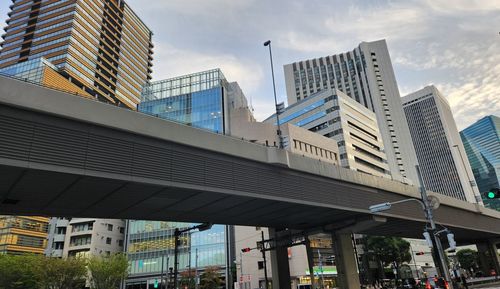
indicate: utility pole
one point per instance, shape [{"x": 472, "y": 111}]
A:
[
  {"x": 241, "y": 264},
  {"x": 189, "y": 266},
  {"x": 265, "y": 262},
  {"x": 430, "y": 219},
  {"x": 177, "y": 233},
  {"x": 161, "y": 272},
  {"x": 196, "y": 268},
  {"x": 414, "y": 257},
  {"x": 321, "y": 270}
]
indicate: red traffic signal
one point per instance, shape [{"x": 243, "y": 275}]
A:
[
  {"x": 245, "y": 250},
  {"x": 419, "y": 253}
]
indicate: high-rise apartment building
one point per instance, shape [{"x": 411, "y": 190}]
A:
[
  {"x": 439, "y": 149},
  {"x": 84, "y": 237},
  {"x": 23, "y": 234},
  {"x": 366, "y": 75},
  {"x": 101, "y": 46},
  {"x": 482, "y": 144},
  {"x": 335, "y": 115}
]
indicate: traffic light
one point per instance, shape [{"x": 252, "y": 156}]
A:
[
  {"x": 246, "y": 250},
  {"x": 155, "y": 285},
  {"x": 451, "y": 241},
  {"x": 420, "y": 253},
  {"x": 493, "y": 194},
  {"x": 428, "y": 239}
]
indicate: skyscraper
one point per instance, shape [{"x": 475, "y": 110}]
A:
[
  {"x": 482, "y": 144},
  {"x": 437, "y": 143},
  {"x": 101, "y": 46},
  {"x": 366, "y": 75}
]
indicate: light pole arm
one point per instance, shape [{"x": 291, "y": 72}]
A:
[{"x": 409, "y": 200}]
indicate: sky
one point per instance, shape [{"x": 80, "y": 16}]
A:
[{"x": 453, "y": 44}]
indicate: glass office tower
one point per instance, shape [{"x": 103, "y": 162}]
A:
[
  {"x": 198, "y": 100},
  {"x": 150, "y": 250},
  {"x": 482, "y": 144}
]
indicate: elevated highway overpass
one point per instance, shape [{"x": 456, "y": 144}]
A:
[{"x": 63, "y": 155}]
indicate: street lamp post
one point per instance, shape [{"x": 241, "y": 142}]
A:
[
  {"x": 177, "y": 234},
  {"x": 427, "y": 208},
  {"x": 280, "y": 136}
]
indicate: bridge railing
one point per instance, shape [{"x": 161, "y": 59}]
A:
[{"x": 27, "y": 80}]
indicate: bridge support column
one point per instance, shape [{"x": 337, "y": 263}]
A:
[
  {"x": 347, "y": 270},
  {"x": 310, "y": 262},
  {"x": 279, "y": 263},
  {"x": 488, "y": 257}
]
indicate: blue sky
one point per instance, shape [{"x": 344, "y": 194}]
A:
[{"x": 453, "y": 44}]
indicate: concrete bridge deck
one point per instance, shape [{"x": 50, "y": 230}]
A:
[{"x": 63, "y": 155}]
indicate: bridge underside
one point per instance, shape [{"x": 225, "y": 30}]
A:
[
  {"x": 32, "y": 191},
  {"x": 62, "y": 155}
]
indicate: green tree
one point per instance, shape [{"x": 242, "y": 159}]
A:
[
  {"x": 187, "y": 279},
  {"x": 211, "y": 278},
  {"x": 389, "y": 250},
  {"x": 468, "y": 258},
  {"x": 18, "y": 271},
  {"x": 55, "y": 273},
  {"x": 107, "y": 272}
]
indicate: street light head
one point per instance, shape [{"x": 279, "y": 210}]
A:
[
  {"x": 380, "y": 207},
  {"x": 267, "y": 43},
  {"x": 204, "y": 227}
]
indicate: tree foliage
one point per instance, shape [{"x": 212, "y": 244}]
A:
[
  {"x": 187, "y": 279},
  {"x": 40, "y": 272},
  {"x": 57, "y": 273},
  {"x": 211, "y": 278},
  {"x": 389, "y": 250},
  {"x": 468, "y": 258},
  {"x": 18, "y": 272},
  {"x": 107, "y": 272}
]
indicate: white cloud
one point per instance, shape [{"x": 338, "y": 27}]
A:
[{"x": 172, "y": 61}]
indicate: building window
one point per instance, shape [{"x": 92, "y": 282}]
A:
[
  {"x": 122, "y": 230},
  {"x": 108, "y": 240},
  {"x": 260, "y": 265},
  {"x": 110, "y": 227}
]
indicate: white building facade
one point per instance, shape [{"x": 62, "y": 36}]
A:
[
  {"x": 443, "y": 162},
  {"x": 366, "y": 75},
  {"x": 84, "y": 237},
  {"x": 333, "y": 114}
]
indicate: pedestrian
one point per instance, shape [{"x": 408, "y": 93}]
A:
[{"x": 464, "y": 281}]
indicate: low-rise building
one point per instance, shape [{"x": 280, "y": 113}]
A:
[{"x": 23, "y": 234}]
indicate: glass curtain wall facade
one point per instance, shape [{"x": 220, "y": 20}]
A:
[
  {"x": 197, "y": 100},
  {"x": 100, "y": 45},
  {"x": 482, "y": 145},
  {"x": 151, "y": 241}
]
